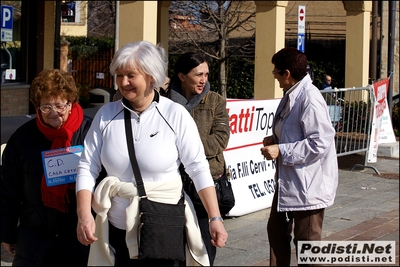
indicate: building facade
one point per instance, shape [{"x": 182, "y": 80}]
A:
[{"x": 38, "y": 26}]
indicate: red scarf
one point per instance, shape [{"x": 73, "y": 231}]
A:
[{"x": 57, "y": 196}]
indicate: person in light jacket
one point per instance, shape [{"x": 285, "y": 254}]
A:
[
  {"x": 164, "y": 136},
  {"x": 303, "y": 147}
]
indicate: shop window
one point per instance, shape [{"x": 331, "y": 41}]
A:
[{"x": 68, "y": 11}]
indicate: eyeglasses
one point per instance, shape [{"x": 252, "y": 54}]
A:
[
  {"x": 275, "y": 72},
  {"x": 57, "y": 107}
]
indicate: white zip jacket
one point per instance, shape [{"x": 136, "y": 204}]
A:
[
  {"x": 307, "y": 170},
  {"x": 164, "y": 135}
]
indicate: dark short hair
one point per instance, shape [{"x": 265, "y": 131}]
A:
[
  {"x": 188, "y": 61},
  {"x": 289, "y": 58}
]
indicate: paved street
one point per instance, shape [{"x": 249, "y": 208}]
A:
[{"x": 366, "y": 208}]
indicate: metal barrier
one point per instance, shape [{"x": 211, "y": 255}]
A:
[{"x": 351, "y": 111}]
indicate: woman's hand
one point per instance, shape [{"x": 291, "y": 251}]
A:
[
  {"x": 219, "y": 236},
  {"x": 86, "y": 227},
  {"x": 270, "y": 152},
  {"x": 268, "y": 140},
  {"x": 9, "y": 247}
]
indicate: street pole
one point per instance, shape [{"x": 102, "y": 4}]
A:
[{"x": 392, "y": 19}]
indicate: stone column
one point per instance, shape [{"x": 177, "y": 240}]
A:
[
  {"x": 358, "y": 18},
  {"x": 137, "y": 22},
  {"x": 163, "y": 24},
  {"x": 270, "y": 37},
  {"x": 64, "y": 54}
]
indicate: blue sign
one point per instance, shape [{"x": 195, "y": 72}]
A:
[
  {"x": 6, "y": 23},
  {"x": 7, "y": 17},
  {"x": 301, "y": 42},
  {"x": 60, "y": 165}
]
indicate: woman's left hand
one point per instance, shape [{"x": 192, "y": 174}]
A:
[
  {"x": 270, "y": 152},
  {"x": 219, "y": 236}
]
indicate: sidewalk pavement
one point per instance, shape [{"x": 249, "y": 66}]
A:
[{"x": 366, "y": 208}]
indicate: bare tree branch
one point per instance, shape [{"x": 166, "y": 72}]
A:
[
  {"x": 101, "y": 18},
  {"x": 218, "y": 29}
]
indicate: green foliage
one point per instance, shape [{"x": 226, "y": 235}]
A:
[
  {"x": 86, "y": 46},
  {"x": 84, "y": 94},
  {"x": 240, "y": 72},
  {"x": 333, "y": 69},
  {"x": 240, "y": 78},
  {"x": 171, "y": 64}
]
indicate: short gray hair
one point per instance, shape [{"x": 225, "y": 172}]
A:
[{"x": 145, "y": 56}]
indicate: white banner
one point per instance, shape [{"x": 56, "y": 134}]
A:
[
  {"x": 252, "y": 177},
  {"x": 382, "y": 129},
  {"x": 373, "y": 143}
]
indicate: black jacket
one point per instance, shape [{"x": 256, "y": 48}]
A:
[{"x": 21, "y": 176}]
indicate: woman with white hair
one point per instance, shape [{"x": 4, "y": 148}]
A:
[{"x": 164, "y": 136}]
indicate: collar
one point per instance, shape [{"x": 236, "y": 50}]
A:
[
  {"x": 156, "y": 99},
  {"x": 176, "y": 95},
  {"x": 291, "y": 89}
]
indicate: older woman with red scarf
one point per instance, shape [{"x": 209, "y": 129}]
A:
[{"x": 38, "y": 217}]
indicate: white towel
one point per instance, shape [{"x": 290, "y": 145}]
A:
[{"x": 101, "y": 253}]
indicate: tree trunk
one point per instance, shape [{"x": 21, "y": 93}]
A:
[
  {"x": 222, "y": 52},
  {"x": 223, "y": 77}
]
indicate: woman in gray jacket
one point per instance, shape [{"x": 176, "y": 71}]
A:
[{"x": 303, "y": 146}]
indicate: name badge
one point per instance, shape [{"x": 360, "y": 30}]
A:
[{"x": 60, "y": 165}]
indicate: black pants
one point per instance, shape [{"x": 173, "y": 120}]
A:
[
  {"x": 117, "y": 241},
  {"x": 40, "y": 248},
  {"x": 307, "y": 226},
  {"x": 206, "y": 236}
]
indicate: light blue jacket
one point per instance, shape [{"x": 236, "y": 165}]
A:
[{"x": 307, "y": 170}]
